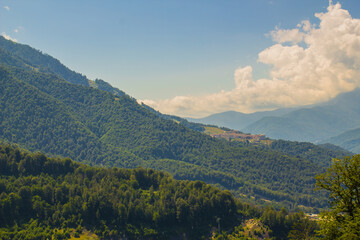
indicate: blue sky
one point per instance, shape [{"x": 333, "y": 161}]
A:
[{"x": 158, "y": 49}]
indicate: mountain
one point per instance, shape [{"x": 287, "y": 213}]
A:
[
  {"x": 315, "y": 123},
  {"x": 237, "y": 120},
  {"x": 29, "y": 58},
  {"x": 42, "y": 111},
  {"x": 349, "y": 140}
]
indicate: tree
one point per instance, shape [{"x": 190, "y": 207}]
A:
[
  {"x": 303, "y": 229},
  {"x": 342, "y": 180}
]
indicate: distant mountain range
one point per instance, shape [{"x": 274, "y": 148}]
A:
[
  {"x": 44, "y": 106},
  {"x": 237, "y": 120},
  {"x": 348, "y": 140},
  {"x": 315, "y": 123}
]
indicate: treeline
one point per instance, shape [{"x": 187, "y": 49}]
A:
[
  {"x": 52, "y": 193},
  {"x": 35, "y": 59},
  {"x": 242, "y": 189}
]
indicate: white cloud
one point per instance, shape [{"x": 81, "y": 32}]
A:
[
  {"x": 282, "y": 36},
  {"x": 305, "y": 25},
  {"x": 17, "y": 30},
  {"x": 321, "y": 62},
  {"x": 8, "y": 37},
  {"x": 7, "y": 8}
]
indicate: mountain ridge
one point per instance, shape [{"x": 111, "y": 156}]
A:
[
  {"x": 348, "y": 140},
  {"x": 313, "y": 124},
  {"x": 237, "y": 120}
]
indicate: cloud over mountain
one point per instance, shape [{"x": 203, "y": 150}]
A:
[
  {"x": 310, "y": 64},
  {"x": 7, "y": 37}
]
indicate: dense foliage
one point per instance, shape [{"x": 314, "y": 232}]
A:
[
  {"x": 279, "y": 225},
  {"x": 51, "y": 193},
  {"x": 40, "y": 111},
  {"x": 53, "y": 198},
  {"x": 320, "y": 154},
  {"x": 342, "y": 180}
]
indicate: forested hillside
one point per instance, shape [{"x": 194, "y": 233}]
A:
[
  {"x": 320, "y": 154},
  {"x": 41, "y": 111},
  {"x": 39, "y": 195},
  {"x": 57, "y": 198}
]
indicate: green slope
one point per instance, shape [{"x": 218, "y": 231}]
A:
[
  {"x": 35, "y": 59},
  {"x": 320, "y": 154},
  {"x": 42, "y": 111},
  {"x": 38, "y": 121},
  {"x": 349, "y": 140}
]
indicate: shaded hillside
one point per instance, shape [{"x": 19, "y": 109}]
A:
[
  {"x": 320, "y": 154},
  {"x": 349, "y": 140},
  {"x": 41, "y": 111},
  {"x": 38, "y": 121}
]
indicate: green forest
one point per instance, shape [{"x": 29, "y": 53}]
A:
[
  {"x": 52, "y": 193},
  {"x": 57, "y": 198},
  {"x": 45, "y": 197}
]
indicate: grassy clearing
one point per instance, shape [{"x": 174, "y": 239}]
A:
[{"x": 213, "y": 130}]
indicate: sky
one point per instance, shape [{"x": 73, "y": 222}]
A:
[{"x": 193, "y": 58}]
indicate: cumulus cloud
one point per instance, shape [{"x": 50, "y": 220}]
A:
[
  {"x": 282, "y": 36},
  {"x": 8, "y": 37},
  {"x": 7, "y": 8},
  {"x": 315, "y": 64}
]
